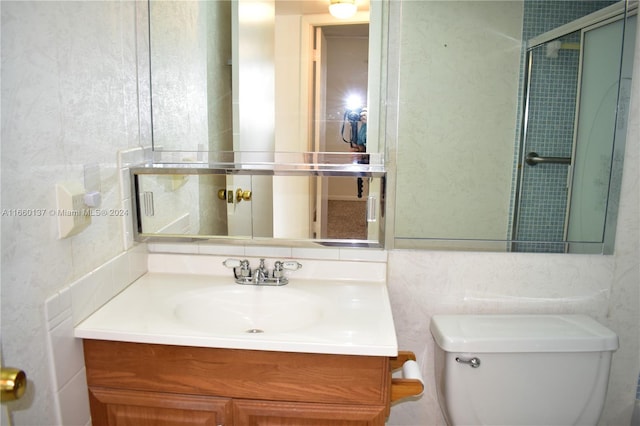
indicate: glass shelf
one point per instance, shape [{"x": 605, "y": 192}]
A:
[{"x": 266, "y": 163}]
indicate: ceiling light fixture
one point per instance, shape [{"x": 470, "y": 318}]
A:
[{"x": 343, "y": 9}]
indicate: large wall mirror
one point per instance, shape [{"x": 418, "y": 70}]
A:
[{"x": 503, "y": 122}]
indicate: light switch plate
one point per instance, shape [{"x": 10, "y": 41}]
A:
[{"x": 73, "y": 215}]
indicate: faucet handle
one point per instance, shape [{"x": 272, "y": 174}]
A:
[
  {"x": 245, "y": 270},
  {"x": 291, "y": 265},
  {"x": 278, "y": 271},
  {"x": 279, "y": 267},
  {"x": 240, "y": 267},
  {"x": 232, "y": 263}
]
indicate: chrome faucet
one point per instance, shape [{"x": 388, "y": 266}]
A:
[
  {"x": 261, "y": 276},
  {"x": 261, "y": 273}
]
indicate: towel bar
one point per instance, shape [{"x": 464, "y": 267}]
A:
[{"x": 532, "y": 159}]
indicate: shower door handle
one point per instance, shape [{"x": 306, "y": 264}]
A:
[{"x": 533, "y": 158}]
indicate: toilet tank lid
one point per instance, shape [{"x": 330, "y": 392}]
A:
[{"x": 521, "y": 333}]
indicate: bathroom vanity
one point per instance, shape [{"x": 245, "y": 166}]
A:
[
  {"x": 190, "y": 348},
  {"x": 131, "y": 383}
]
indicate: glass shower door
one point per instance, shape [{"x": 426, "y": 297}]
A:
[
  {"x": 552, "y": 91},
  {"x": 574, "y": 127},
  {"x": 596, "y": 129}
]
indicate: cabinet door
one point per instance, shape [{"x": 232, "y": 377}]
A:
[
  {"x": 115, "y": 407},
  {"x": 274, "y": 413}
]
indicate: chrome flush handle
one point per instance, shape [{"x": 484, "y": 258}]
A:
[{"x": 473, "y": 362}]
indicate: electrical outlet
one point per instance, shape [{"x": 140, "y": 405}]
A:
[{"x": 73, "y": 215}]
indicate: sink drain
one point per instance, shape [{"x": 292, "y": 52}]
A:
[{"x": 254, "y": 330}]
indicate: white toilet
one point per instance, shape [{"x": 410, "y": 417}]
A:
[{"x": 521, "y": 369}]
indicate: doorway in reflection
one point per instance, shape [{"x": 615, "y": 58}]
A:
[{"x": 340, "y": 78}]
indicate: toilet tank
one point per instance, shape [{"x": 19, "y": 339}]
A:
[{"x": 521, "y": 369}]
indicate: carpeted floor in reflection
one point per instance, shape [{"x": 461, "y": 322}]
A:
[{"x": 347, "y": 219}]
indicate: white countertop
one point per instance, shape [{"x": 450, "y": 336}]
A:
[{"x": 333, "y": 316}]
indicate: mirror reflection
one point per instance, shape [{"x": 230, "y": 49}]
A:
[
  {"x": 572, "y": 120},
  {"x": 472, "y": 186},
  {"x": 206, "y": 204},
  {"x": 495, "y": 125},
  {"x": 191, "y": 75},
  {"x": 216, "y": 67}
]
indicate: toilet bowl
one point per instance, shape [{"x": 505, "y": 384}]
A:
[{"x": 521, "y": 369}]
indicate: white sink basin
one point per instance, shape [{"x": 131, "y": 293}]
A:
[
  {"x": 307, "y": 315},
  {"x": 249, "y": 309}
]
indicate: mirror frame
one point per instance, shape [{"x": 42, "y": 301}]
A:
[{"x": 310, "y": 164}]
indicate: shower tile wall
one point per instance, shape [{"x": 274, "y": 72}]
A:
[{"x": 550, "y": 125}]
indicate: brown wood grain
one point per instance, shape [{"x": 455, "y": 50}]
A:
[
  {"x": 121, "y": 407},
  {"x": 269, "y": 413},
  {"x": 403, "y": 356},
  {"x": 264, "y": 375},
  {"x": 404, "y": 388}
]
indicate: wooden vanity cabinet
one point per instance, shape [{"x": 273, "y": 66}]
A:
[
  {"x": 162, "y": 385},
  {"x": 124, "y": 407}
]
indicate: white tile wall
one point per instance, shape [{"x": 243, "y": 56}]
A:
[
  {"x": 311, "y": 268},
  {"x": 74, "y": 401},
  {"x": 348, "y": 254},
  {"x": 69, "y": 307}
]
